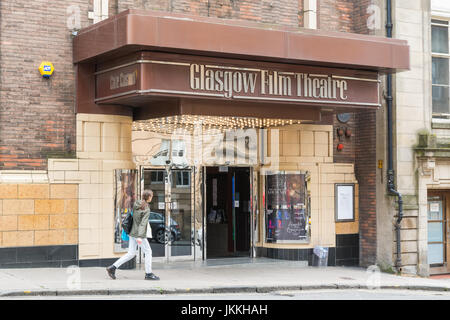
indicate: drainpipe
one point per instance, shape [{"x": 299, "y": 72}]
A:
[{"x": 390, "y": 170}]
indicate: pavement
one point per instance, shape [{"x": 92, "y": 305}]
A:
[{"x": 231, "y": 275}]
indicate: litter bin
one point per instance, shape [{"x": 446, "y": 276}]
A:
[{"x": 320, "y": 256}]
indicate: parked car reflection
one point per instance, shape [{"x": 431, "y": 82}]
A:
[{"x": 157, "y": 222}]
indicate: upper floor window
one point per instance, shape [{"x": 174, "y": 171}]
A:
[{"x": 440, "y": 68}]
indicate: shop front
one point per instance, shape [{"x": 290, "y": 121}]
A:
[{"x": 229, "y": 126}]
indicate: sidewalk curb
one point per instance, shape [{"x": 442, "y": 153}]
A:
[{"x": 211, "y": 290}]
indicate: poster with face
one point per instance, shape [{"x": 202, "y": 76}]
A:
[
  {"x": 286, "y": 206},
  {"x": 124, "y": 198}
]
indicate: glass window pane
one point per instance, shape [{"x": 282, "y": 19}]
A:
[
  {"x": 440, "y": 100},
  {"x": 435, "y": 210},
  {"x": 440, "y": 71},
  {"x": 435, "y": 232},
  {"x": 439, "y": 39},
  {"x": 435, "y": 253}
]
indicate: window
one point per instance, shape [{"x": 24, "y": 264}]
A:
[
  {"x": 156, "y": 177},
  {"x": 183, "y": 178},
  {"x": 440, "y": 68}
]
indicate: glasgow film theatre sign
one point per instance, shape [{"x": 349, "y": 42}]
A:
[{"x": 157, "y": 74}]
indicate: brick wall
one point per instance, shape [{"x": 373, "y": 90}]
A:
[
  {"x": 37, "y": 115},
  {"x": 346, "y": 155},
  {"x": 365, "y": 170}
]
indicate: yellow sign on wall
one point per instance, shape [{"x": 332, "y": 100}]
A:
[{"x": 46, "y": 69}]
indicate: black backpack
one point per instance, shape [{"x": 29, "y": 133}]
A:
[{"x": 127, "y": 222}]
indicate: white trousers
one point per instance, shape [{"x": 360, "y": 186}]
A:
[{"x": 132, "y": 251}]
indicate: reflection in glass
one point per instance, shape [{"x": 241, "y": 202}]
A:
[
  {"x": 440, "y": 71},
  {"x": 181, "y": 213},
  {"x": 439, "y": 39},
  {"x": 435, "y": 253},
  {"x": 124, "y": 198},
  {"x": 440, "y": 99},
  {"x": 435, "y": 232}
]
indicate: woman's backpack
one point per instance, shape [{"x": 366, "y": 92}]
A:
[{"x": 127, "y": 222}]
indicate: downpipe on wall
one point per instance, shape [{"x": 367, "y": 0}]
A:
[{"x": 390, "y": 170}]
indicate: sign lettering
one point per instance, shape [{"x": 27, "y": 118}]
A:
[{"x": 272, "y": 83}]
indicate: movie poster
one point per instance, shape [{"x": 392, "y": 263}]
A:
[
  {"x": 124, "y": 198},
  {"x": 287, "y": 207}
]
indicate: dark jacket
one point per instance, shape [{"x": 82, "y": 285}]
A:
[{"x": 140, "y": 220}]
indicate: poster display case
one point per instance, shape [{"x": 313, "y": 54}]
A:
[
  {"x": 287, "y": 207},
  {"x": 125, "y": 183}
]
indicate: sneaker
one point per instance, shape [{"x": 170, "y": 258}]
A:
[
  {"x": 151, "y": 276},
  {"x": 111, "y": 271}
]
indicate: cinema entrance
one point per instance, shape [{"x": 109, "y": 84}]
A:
[{"x": 229, "y": 209}]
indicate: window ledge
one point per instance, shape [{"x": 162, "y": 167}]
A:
[{"x": 440, "y": 123}]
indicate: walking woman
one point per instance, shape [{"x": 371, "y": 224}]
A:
[{"x": 141, "y": 214}]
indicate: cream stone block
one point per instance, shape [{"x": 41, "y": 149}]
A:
[
  {"x": 408, "y": 29},
  {"x": 33, "y": 191},
  {"x": 125, "y": 130},
  {"x": 111, "y": 129},
  {"x": 71, "y": 236},
  {"x": 123, "y": 156},
  {"x": 91, "y": 144},
  {"x": 89, "y": 191},
  {"x": 290, "y": 136},
  {"x": 92, "y": 129},
  {"x": 63, "y": 191},
  {"x": 408, "y": 15},
  {"x": 410, "y": 85},
  {"x": 18, "y": 238},
  {"x": 56, "y": 176},
  {"x": 411, "y": 100},
  {"x": 125, "y": 144},
  {"x": 321, "y": 150},
  {"x": 9, "y": 191},
  {"x": 110, "y": 165},
  {"x": 18, "y": 206},
  {"x": 77, "y": 177},
  {"x": 88, "y": 235},
  {"x": 16, "y": 176},
  {"x": 95, "y": 177},
  {"x": 306, "y": 137},
  {"x": 80, "y": 143},
  {"x": 306, "y": 149},
  {"x": 90, "y": 165},
  {"x": 84, "y": 206},
  {"x": 321, "y": 137},
  {"x": 349, "y": 178},
  {"x": 110, "y": 144},
  {"x": 344, "y": 168},
  {"x": 88, "y": 250},
  {"x": 409, "y": 258},
  {"x": 62, "y": 164},
  {"x": 107, "y": 190},
  {"x": 8, "y": 223},
  {"x": 408, "y": 235},
  {"x": 107, "y": 176},
  {"x": 290, "y": 149}
]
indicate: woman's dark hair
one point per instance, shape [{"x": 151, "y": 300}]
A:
[{"x": 145, "y": 195}]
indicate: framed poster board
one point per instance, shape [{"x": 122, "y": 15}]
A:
[
  {"x": 344, "y": 197},
  {"x": 286, "y": 201}
]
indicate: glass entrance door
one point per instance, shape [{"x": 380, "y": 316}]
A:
[
  {"x": 172, "y": 212},
  {"x": 436, "y": 231}
]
